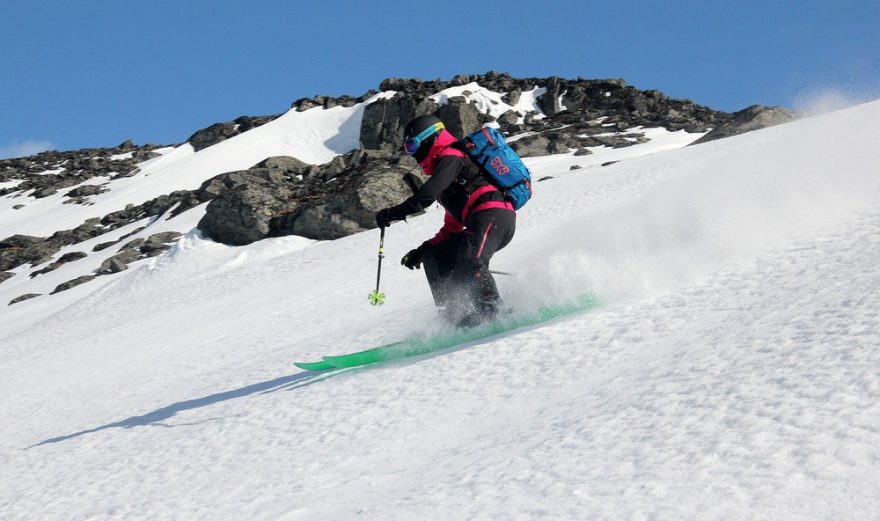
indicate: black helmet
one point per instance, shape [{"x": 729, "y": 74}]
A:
[{"x": 418, "y": 137}]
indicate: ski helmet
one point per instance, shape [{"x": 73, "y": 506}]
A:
[{"x": 419, "y": 136}]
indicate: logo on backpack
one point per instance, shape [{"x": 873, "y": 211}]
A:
[{"x": 500, "y": 165}]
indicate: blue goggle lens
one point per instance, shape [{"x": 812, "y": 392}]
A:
[{"x": 411, "y": 145}]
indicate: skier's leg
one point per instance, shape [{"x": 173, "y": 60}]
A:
[
  {"x": 486, "y": 233},
  {"x": 438, "y": 262}
]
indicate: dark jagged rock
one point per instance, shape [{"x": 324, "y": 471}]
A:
[
  {"x": 105, "y": 245},
  {"x": 136, "y": 250},
  {"x": 131, "y": 245},
  {"x": 23, "y": 249},
  {"x": 19, "y": 241},
  {"x": 5, "y": 275},
  {"x": 286, "y": 164},
  {"x": 119, "y": 262},
  {"x": 53, "y": 183},
  {"x": 749, "y": 119},
  {"x": 159, "y": 242},
  {"x": 327, "y": 202},
  {"x": 222, "y": 131},
  {"x": 353, "y": 211},
  {"x": 67, "y": 257},
  {"x": 575, "y": 104},
  {"x": 531, "y": 146},
  {"x": 73, "y": 283},
  {"x": 46, "y": 173},
  {"x": 551, "y": 101},
  {"x": 72, "y": 256},
  {"x": 112, "y": 265},
  {"x": 461, "y": 117},
  {"x": 86, "y": 191},
  {"x": 384, "y": 119},
  {"x": 26, "y": 296},
  {"x": 245, "y": 205},
  {"x": 18, "y": 250}
]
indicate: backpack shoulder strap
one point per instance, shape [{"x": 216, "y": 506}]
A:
[{"x": 453, "y": 149}]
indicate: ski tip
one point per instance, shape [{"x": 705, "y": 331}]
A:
[
  {"x": 337, "y": 362},
  {"x": 315, "y": 366}
]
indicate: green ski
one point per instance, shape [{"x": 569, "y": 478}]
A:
[
  {"x": 314, "y": 366},
  {"x": 437, "y": 342}
]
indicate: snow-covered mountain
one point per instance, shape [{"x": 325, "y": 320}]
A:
[
  {"x": 321, "y": 170},
  {"x": 731, "y": 372}
]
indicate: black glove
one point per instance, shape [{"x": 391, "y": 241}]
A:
[
  {"x": 413, "y": 259},
  {"x": 385, "y": 217}
]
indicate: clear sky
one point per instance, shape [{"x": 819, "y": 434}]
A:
[{"x": 93, "y": 73}]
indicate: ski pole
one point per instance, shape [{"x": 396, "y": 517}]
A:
[
  {"x": 377, "y": 298},
  {"x": 493, "y": 272}
]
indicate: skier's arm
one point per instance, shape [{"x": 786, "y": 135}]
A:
[{"x": 445, "y": 172}]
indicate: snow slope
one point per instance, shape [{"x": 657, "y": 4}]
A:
[{"x": 731, "y": 374}]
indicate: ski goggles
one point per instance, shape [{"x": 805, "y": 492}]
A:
[{"x": 411, "y": 145}]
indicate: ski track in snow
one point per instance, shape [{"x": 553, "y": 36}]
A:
[{"x": 732, "y": 373}]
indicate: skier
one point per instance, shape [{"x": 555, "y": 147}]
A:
[{"x": 478, "y": 222}]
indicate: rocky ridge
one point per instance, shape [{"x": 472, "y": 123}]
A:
[{"x": 282, "y": 195}]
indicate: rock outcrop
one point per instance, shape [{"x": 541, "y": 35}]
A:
[
  {"x": 283, "y": 196},
  {"x": 222, "y": 131},
  {"x": 749, "y": 119},
  {"x": 47, "y": 173}
]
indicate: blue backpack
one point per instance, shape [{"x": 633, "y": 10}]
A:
[{"x": 500, "y": 165}]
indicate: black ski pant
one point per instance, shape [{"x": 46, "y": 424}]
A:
[{"x": 458, "y": 268}]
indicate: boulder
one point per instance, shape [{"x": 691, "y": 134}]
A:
[
  {"x": 159, "y": 242},
  {"x": 72, "y": 256},
  {"x": 512, "y": 97},
  {"x": 248, "y": 203},
  {"x": 383, "y": 120},
  {"x": 26, "y": 296},
  {"x": 133, "y": 245},
  {"x": 509, "y": 118},
  {"x": 23, "y": 249},
  {"x": 85, "y": 191},
  {"x": 119, "y": 262},
  {"x": 112, "y": 265},
  {"x": 67, "y": 257},
  {"x": 72, "y": 283},
  {"x": 459, "y": 117},
  {"x": 286, "y": 164},
  {"x": 751, "y": 118},
  {"x": 529, "y": 146},
  {"x": 549, "y": 102},
  {"x": 353, "y": 211},
  {"x": 219, "y": 132}
]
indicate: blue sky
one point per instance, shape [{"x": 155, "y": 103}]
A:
[{"x": 93, "y": 73}]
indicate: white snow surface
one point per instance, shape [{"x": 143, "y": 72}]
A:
[
  {"x": 491, "y": 102},
  {"x": 731, "y": 372}
]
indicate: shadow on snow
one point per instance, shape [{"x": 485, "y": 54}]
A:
[{"x": 156, "y": 417}]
